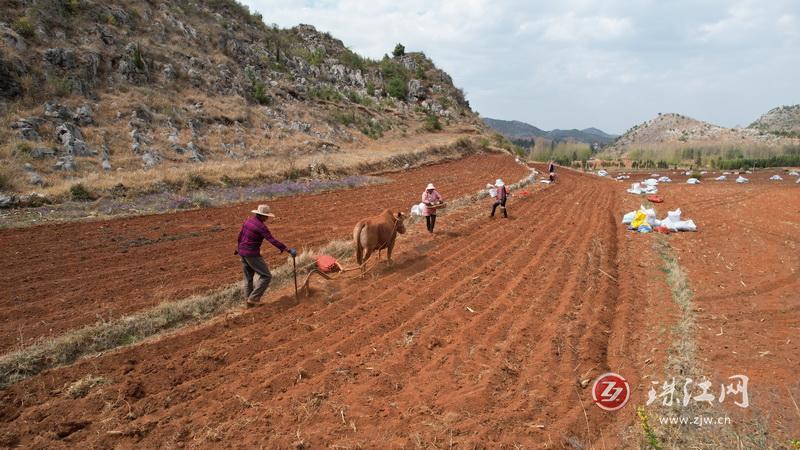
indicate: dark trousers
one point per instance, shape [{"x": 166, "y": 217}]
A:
[
  {"x": 430, "y": 222},
  {"x": 500, "y": 203},
  {"x": 255, "y": 265}
]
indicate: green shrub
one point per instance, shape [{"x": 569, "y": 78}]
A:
[
  {"x": 696, "y": 174},
  {"x": 5, "y": 180},
  {"x": 370, "y": 88},
  {"x": 393, "y": 69},
  {"x": 73, "y": 6},
  {"x": 353, "y": 60},
  {"x": 399, "y": 50},
  {"x": 355, "y": 97},
  {"x": 315, "y": 57},
  {"x": 23, "y": 148},
  {"x": 260, "y": 94},
  {"x": 373, "y": 129},
  {"x": 79, "y": 193},
  {"x": 326, "y": 93},
  {"x": 119, "y": 190},
  {"x": 396, "y": 87},
  {"x": 59, "y": 86},
  {"x": 23, "y": 27},
  {"x": 432, "y": 123},
  {"x": 344, "y": 118},
  {"x": 195, "y": 181},
  {"x": 138, "y": 58}
]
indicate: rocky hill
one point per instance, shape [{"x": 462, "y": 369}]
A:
[
  {"x": 93, "y": 90},
  {"x": 516, "y": 130},
  {"x": 676, "y": 130},
  {"x": 783, "y": 120}
]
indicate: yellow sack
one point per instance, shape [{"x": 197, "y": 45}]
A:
[{"x": 641, "y": 218}]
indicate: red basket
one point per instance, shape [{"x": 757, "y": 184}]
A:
[
  {"x": 655, "y": 198},
  {"x": 327, "y": 264}
]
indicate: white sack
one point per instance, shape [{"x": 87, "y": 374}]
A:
[{"x": 628, "y": 218}]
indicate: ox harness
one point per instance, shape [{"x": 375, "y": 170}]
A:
[{"x": 329, "y": 268}]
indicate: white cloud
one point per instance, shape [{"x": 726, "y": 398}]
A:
[
  {"x": 580, "y": 63},
  {"x": 741, "y": 18},
  {"x": 572, "y": 28}
]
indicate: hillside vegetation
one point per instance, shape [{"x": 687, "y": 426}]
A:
[
  {"x": 782, "y": 121},
  {"x": 144, "y": 92},
  {"x": 673, "y": 139}
]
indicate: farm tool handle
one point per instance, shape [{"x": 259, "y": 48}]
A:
[{"x": 294, "y": 269}]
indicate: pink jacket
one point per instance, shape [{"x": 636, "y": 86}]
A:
[
  {"x": 430, "y": 198},
  {"x": 502, "y": 193}
]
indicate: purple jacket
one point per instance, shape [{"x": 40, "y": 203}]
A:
[{"x": 252, "y": 235}]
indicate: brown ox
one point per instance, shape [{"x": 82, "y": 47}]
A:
[{"x": 377, "y": 233}]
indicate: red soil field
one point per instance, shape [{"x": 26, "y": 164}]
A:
[
  {"x": 483, "y": 335},
  {"x": 479, "y": 334},
  {"x": 57, "y": 277},
  {"x": 744, "y": 268}
]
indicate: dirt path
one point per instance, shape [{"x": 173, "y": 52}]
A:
[
  {"x": 57, "y": 277},
  {"x": 480, "y": 335}
]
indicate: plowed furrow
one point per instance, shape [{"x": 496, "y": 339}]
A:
[
  {"x": 413, "y": 307},
  {"x": 492, "y": 313},
  {"x": 545, "y": 344}
]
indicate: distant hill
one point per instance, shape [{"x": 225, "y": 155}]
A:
[
  {"x": 676, "y": 131},
  {"x": 516, "y": 130},
  {"x": 780, "y": 120}
]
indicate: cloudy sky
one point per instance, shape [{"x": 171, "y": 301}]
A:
[{"x": 580, "y": 63}]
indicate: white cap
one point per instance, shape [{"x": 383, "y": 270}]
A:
[
  {"x": 499, "y": 183},
  {"x": 430, "y": 186}
]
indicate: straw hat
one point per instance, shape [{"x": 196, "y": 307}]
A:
[
  {"x": 263, "y": 210},
  {"x": 430, "y": 186},
  {"x": 499, "y": 183}
]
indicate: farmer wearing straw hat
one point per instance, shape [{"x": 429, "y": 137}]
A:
[
  {"x": 254, "y": 231},
  {"x": 429, "y": 197},
  {"x": 500, "y": 197}
]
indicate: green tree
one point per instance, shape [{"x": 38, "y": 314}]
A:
[{"x": 399, "y": 50}]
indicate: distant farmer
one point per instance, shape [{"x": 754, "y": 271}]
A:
[
  {"x": 500, "y": 197},
  {"x": 430, "y": 198},
  {"x": 551, "y": 169},
  {"x": 254, "y": 231}
]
